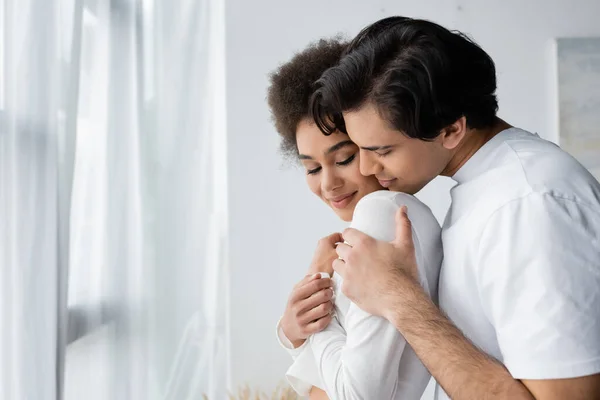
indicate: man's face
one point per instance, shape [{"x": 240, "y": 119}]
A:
[{"x": 400, "y": 163}]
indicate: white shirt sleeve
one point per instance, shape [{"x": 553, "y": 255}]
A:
[
  {"x": 539, "y": 284},
  {"x": 302, "y": 374},
  {"x": 283, "y": 340},
  {"x": 287, "y": 344},
  {"x": 367, "y": 361}
]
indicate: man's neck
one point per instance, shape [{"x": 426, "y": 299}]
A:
[{"x": 474, "y": 140}]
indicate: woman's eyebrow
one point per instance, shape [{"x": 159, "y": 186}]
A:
[
  {"x": 330, "y": 150},
  {"x": 338, "y": 146}
]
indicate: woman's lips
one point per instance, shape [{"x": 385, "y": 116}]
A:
[{"x": 342, "y": 201}]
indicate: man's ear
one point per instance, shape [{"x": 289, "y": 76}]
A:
[{"x": 453, "y": 134}]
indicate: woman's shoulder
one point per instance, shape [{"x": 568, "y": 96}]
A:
[
  {"x": 397, "y": 199},
  {"x": 378, "y": 209}
]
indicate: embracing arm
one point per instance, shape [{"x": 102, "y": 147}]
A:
[{"x": 462, "y": 370}]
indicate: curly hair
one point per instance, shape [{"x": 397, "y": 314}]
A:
[{"x": 292, "y": 85}]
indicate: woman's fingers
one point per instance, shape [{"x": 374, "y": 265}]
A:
[
  {"x": 318, "y": 325},
  {"x": 316, "y": 313},
  {"x": 322, "y": 296},
  {"x": 310, "y": 288}
]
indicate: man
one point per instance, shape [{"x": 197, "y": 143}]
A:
[{"x": 519, "y": 290}]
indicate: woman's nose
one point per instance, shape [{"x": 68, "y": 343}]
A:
[{"x": 330, "y": 180}]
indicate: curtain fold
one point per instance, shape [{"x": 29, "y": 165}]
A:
[
  {"x": 113, "y": 200},
  {"x": 36, "y": 153}
]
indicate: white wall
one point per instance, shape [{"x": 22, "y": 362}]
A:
[{"x": 275, "y": 221}]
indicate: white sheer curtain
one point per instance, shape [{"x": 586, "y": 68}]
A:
[{"x": 113, "y": 200}]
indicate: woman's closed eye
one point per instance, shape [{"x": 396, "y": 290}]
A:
[
  {"x": 316, "y": 170},
  {"x": 347, "y": 160},
  {"x": 313, "y": 171}
]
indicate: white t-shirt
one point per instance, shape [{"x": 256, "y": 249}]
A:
[
  {"x": 521, "y": 270},
  {"x": 359, "y": 355}
]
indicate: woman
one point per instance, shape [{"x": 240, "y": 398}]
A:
[{"x": 340, "y": 351}]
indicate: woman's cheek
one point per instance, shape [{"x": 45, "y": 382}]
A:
[{"x": 314, "y": 184}]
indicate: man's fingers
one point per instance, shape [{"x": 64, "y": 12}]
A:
[
  {"x": 353, "y": 236},
  {"x": 310, "y": 288},
  {"x": 403, "y": 228},
  {"x": 339, "y": 266},
  {"x": 343, "y": 250}
]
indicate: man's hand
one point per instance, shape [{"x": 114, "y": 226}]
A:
[{"x": 374, "y": 272}]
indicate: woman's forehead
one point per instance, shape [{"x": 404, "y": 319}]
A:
[{"x": 311, "y": 141}]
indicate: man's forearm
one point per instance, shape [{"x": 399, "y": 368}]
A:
[{"x": 462, "y": 370}]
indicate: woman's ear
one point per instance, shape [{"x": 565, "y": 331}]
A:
[{"x": 454, "y": 133}]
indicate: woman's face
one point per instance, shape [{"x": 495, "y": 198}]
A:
[{"x": 332, "y": 168}]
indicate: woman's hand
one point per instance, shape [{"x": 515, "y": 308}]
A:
[
  {"x": 308, "y": 310},
  {"x": 317, "y": 394},
  {"x": 325, "y": 254}
]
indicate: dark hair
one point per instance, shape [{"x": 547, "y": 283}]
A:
[
  {"x": 292, "y": 85},
  {"x": 420, "y": 76}
]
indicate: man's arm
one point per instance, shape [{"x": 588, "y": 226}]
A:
[
  {"x": 585, "y": 387},
  {"x": 462, "y": 370}
]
